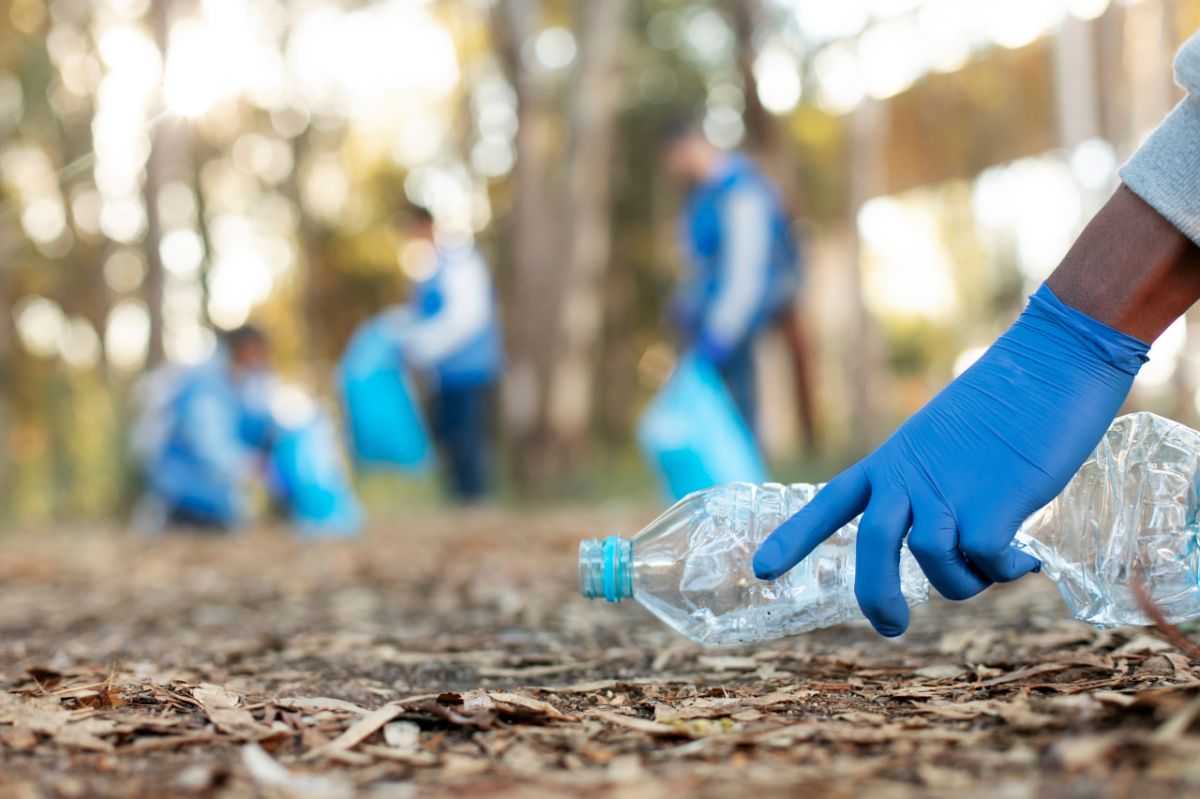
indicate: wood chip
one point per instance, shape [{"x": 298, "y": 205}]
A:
[
  {"x": 527, "y": 704},
  {"x": 633, "y": 723},
  {"x": 362, "y": 729},
  {"x": 223, "y": 709},
  {"x": 271, "y": 775},
  {"x": 318, "y": 704},
  {"x": 1024, "y": 674},
  {"x": 402, "y": 736}
]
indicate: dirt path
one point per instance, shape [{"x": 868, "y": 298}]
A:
[{"x": 451, "y": 656}]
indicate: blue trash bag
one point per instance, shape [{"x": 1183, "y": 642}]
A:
[
  {"x": 310, "y": 478},
  {"x": 384, "y": 420},
  {"x": 693, "y": 435}
]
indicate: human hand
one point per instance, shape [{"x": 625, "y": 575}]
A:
[
  {"x": 712, "y": 349},
  {"x": 684, "y": 312},
  {"x": 962, "y": 474}
]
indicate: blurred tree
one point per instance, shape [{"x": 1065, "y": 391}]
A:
[
  {"x": 8, "y": 238},
  {"x": 592, "y": 104},
  {"x": 559, "y": 240},
  {"x": 163, "y": 153},
  {"x": 867, "y": 170},
  {"x": 765, "y": 140}
]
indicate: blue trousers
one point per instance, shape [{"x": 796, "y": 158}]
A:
[
  {"x": 740, "y": 377},
  {"x": 459, "y": 419}
]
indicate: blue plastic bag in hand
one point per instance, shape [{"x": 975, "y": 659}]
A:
[
  {"x": 308, "y": 474},
  {"x": 384, "y": 420},
  {"x": 693, "y": 435}
]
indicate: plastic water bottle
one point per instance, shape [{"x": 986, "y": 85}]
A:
[{"x": 1129, "y": 513}]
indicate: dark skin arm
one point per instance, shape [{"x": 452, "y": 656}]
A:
[{"x": 1130, "y": 268}]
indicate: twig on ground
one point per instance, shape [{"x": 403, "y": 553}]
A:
[{"x": 1169, "y": 631}]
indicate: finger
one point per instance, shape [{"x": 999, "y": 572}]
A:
[
  {"x": 934, "y": 543},
  {"x": 991, "y": 552},
  {"x": 877, "y": 571},
  {"x": 832, "y": 508}
]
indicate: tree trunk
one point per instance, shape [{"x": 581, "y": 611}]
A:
[
  {"x": 773, "y": 152},
  {"x": 7, "y": 372},
  {"x": 312, "y": 292},
  {"x": 591, "y": 113},
  {"x": 534, "y": 291},
  {"x": 205, "y": 234},
  {"x": 155, "y": 164},
  {"x": 1079, "y": 117},
  {"x": 763, "y": 139},
  {"x": 868, "y": 133},
  {"x": 760, "y": 126}
]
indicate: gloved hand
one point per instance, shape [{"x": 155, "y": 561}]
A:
[
  {"x": 272, "y": 477},
  {"x": 684, "y": 312},
  {"x": 963, "y": 473},
  {"x": 712, "y": 349}
]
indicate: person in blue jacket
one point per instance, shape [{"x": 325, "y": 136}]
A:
[
  {"x": 454, "y": 340},
  {"x": 743, "y": 264},
  {"x": 206, "y": 436}
]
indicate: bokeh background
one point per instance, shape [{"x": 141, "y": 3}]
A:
[{"x": 172, "y": 167}]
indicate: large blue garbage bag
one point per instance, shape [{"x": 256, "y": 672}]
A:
[
  {"x": 311, "y": 480},
  {"x": 384, "y": 420},
  {"x": 693, "y": 435}
]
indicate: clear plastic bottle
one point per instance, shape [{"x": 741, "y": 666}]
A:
[{"x": 1131, "y": 510}]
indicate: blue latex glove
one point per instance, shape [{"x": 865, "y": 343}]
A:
[
  {"x": 712, "y": 349},
  {"x": 995, "y": 445},
  {"x": 684, "y": 312},
  {"x": 687, "y": 316}
]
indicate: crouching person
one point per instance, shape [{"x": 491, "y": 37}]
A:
[{"x": 203, "y": 436}]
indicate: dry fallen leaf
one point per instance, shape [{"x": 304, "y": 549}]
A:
[
  {"x": 223, "y": 708},
  {"x": 1084, "y": 751},
  {"x": 1024, "y": 674},
  {"x": 451, "y": 679},
  {"x": 511, "y": 704}
]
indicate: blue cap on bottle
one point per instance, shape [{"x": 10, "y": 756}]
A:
[{"x": 606, "y": 568}]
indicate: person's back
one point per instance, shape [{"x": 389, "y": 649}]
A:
[
  {"x": 738, "y": 284},
  {"x": 456, "y": 335},
  {"x": 743, "y": 264},
  {"x": 454, "y": 340}
]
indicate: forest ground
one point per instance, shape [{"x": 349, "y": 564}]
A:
[{"x": 450, "y": 655}]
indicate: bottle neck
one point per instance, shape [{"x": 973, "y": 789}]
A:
[{"x": 606, "y": 568}]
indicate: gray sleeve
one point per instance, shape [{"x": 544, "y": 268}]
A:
[{"x": 1165, "y": 172}]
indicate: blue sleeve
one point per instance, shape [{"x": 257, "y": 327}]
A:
[{"x": 208, "y": 428}]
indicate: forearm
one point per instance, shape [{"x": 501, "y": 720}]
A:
[
  {"x": 1136, "y": 267},
  {"x": 1130, "y": 269},
  {"x": 1165, "y": 171}
]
